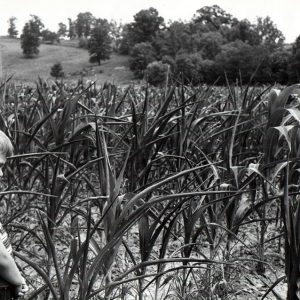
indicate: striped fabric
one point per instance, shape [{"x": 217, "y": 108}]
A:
[{"x": 5, "y": 239}]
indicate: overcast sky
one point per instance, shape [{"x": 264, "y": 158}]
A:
[{"x": 285, "y": 13}]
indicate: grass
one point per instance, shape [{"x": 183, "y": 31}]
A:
[{"x": 74, "y": 60}]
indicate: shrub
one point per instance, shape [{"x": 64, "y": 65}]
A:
[
  {"x": 49, "y": 37},
  {"x": 141, "y": 55},
  {"x": 188, "y": 68},
  {"x": 57, "y": 70},
  {"x": 294, "y": 62},
  {"x": 237, "y": 59},
  {"x": 209, "y": 71},
  {"x": 210, "y": 44},
  {"x": 169, "y": 60},
  {"x": 83, "y": 43},
  {"x": 156, "y": 73}
]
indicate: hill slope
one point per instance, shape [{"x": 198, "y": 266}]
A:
[{"x": 75, "y": 61}]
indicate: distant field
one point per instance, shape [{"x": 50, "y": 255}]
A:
[{"x": 74, "y": 61}]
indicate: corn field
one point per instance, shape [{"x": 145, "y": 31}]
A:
[{"x": 142, "y": 193}]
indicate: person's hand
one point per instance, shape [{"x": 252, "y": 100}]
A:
[{"x": 21, "y": 289}]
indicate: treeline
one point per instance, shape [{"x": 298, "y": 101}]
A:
[
  {"x": 213, "y": 47},
  {"x": 94, "y": 34}
]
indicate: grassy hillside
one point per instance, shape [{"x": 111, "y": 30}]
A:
[{"x": 75, "y": 61}]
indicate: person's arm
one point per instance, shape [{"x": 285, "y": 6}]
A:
[
  {"x": 10, "y": 272},
  {"x": 8, "y": 268},
  {"x": 20, "y": 290}
]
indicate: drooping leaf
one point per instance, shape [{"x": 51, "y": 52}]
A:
[
  {"x": 295, "y": 113},
  {"x": 284, "y": 131}
]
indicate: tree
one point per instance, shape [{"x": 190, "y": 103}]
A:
[
  {"x": 99, "y": 44},
  {"x": 245, "y": 31},
  {"x": 210, "y": 44},
  {"x": 125, "y": 41},
  {"x": 71, "y": 31},
  {"x": 279, "y": 64},
  {"x": 29, "y": 42},
  {"x": 57, "y": 70},
  {"x": 36, "y": 25},
  {"x": 84, "y": 24},
  {"x": 141, "y": 55},
  {"x": 30, "y": 37},
  {"x": 294, "y": 65},
  {"x": 49, "y": 37},
  {"x": 62, "y": 30},
  {"x": 269, "y": 35},
  {"x": 147, "y": 23},
  {"x": 177, "y": 37},
  {"x": 116, "y": 34},
  {"x": 12, "y": 31},
  {"x": 214, "y": 17},
  {"x": 237, "y": 59},
  {"x": 296, "y": 47}
]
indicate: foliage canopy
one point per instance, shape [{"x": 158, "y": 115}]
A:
[
  {"x": 99, "y": 44},
  {"x": 231, "y": 48},
  {"x": 12, "y": 30},
  {"x": 30, "y": 38}
]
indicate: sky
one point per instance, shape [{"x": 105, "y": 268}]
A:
[{"x": 284, "y": 13}]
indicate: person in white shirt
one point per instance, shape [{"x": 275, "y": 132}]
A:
[{"x": 8, "y": 268}]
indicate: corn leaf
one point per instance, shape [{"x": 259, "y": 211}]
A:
[{"x": 284, "y": 131}]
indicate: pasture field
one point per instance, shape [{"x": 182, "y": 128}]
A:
[
  {"x": 146, "y": 193},
  {"x": 73, "y": 59}
]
